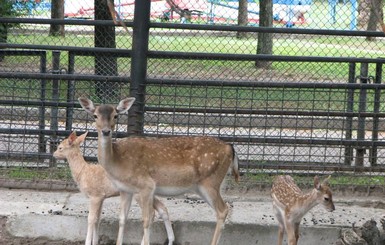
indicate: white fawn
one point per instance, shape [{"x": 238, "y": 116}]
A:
[
  {"x": 93, "y": 182},
  {"x": 163, "y": 166},
  {"x": 290, "y": 204}
]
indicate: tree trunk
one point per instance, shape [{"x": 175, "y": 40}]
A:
[
  {"x": 363, "y": 14},
  {"x": 375, "y": 17},
  {"x": 3, "y": 36},
  {"x": 242, "y": 17},
  {"x": 105, "y": 65},
  {"x": 57, "y": 12},
  {"x": 265, "y": 40}
]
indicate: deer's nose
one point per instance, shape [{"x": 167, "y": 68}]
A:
[{"x": 106, "y": 132}]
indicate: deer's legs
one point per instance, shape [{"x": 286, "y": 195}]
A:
[
  {"x": 95, "y": 206},
  {"x": 147, "y": 200},
  {"x": 296, "y": 227},
  {"x": 291, "y": 235},
  {"x": 212, "y": 196},
  {"x": 163, "y": 213},
  {"x": 281, "y": 223},
  {"x": 125, "y": 204}
]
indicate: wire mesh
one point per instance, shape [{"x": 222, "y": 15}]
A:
[{"x": 292, "y": 116}]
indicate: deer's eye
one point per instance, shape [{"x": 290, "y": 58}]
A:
[
  {"x": 327, "y": 199},
  {"x": 116, "y": 117},
  {"x": 95, "y": 116}
]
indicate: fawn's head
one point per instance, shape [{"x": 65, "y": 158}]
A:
[
  {"x": 105, "y": 115},
  {"x": 68, "y": 145},
  {"x": 324, "y": 193}
]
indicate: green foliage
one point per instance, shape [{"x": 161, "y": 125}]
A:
[{"x": 9, "y": 8}]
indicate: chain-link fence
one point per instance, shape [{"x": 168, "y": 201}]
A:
[{"x": 296, "y": 88}]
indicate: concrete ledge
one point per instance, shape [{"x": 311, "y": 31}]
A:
[{"x": 63, "y": 216}]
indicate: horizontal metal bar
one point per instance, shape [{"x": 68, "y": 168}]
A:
[
  {"x": 72, "y": 77},
  {"x": 235, "y": 112},
  {"x": 256, "y": 57},
  {"x": 44, "y": 21},
  {"x": 312, "y": 167},
  {"x": 236, "y": 28},
  {"x": 234, "y": 139},
  {"x": 22, "y": 52},
  {"x": 38, "y": 103},
  {"x": 111, "y": 51},
  {"x": 252, "y": 84},
  {"x": 203, "y": 27}
]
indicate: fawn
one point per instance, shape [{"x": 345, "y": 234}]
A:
[
  {"x": 290, "y": 204},
  {"x": 93, "y": 182},
  {"x": 162, "y": 166}
]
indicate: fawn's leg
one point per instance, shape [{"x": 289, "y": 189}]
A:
[
  {"x": 281, "y": 223},
  {"x": 163, "y": 213},
  {"x": 125, "y": 204},
  {"x": 290, "y": 231},
  {"x": 296, "y": 226},
  {"x": 92, "y": 220}
]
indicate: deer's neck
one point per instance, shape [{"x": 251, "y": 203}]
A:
[
  {"x": 105, "y": 152},
  {"x": 305, "y": 203},
  {"x": 77, "y": 164}
]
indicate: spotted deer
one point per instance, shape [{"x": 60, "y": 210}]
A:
[
  {"x": 163, "y": 166},
  {"x": 93, "y": 182},
  {"x": 290, "y": 204}
]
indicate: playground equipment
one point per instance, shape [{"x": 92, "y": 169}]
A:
[{"x": 333, "y": 12}]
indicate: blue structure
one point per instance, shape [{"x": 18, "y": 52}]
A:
[{"x": 333, "y": 12}]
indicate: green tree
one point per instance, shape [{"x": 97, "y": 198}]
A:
[
  {"x": 265, "y": 39},
  {"x": 8, "y": 9}
]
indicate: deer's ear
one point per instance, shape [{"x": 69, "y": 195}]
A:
[
  {"x": 125, "y": 104},
  {"x": 87, "y": 105},
  {"x": 326, "y": 181},
  {"x": 317, "y": 184},
  {"x": 72, "y": 138},
  {"x": 81, "y": 138}
]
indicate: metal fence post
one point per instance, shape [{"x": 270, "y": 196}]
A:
[
  {"x": 349, "y": 120},
  {"x": 43, "y": 84},
  {"x": 140, "y": 38},
  {"x": 376, "y": 109},
  {"x": 70, "y": 91},
  {"x": 54, "y": 109},
  {"x": 360, "y": 150}
]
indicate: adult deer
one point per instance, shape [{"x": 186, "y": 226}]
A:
[
  {"x": 290, "y": 204},
  {"x": 162, "y": 166},
  {"x": 93, "y": 182}
]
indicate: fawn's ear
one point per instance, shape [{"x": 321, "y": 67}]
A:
[
  {"x": 87, "y": 105},
  {"x": 125, "y": 104},
  {"x": 81, "y": 138},
  {"x": 72, "y": 138},
  {"x": 326, "y": 181},
  {"x": 317, "y": 184}
]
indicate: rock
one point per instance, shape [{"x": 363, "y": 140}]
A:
[
  {"x": 370, "y": 232},
  {"x": 349, "y": 237}
]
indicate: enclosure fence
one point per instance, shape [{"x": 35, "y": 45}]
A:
[{"x": 313, "y": 106}]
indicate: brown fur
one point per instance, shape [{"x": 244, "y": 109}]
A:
[
  {"x": 164, "y": 166},
  {"x": 94, "y": 183},
  {"x": 291, "y": 204}
]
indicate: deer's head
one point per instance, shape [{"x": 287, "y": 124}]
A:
[
  {"x": 105, "y": 115},
  {"x": 68, "y": 145},
  {"x": 325, "y": 197}
]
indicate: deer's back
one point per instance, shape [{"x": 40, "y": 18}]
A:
[
  {"x": 285, "y": 191},
  {"x": 183, "y": 159}
]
